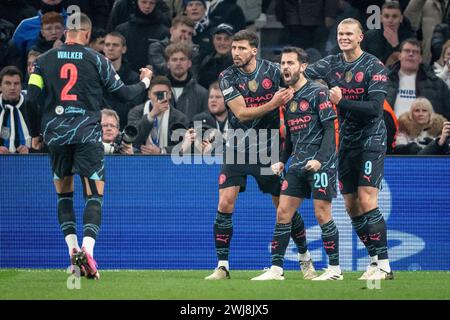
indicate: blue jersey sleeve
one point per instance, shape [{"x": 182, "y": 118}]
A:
[
  {"x": 109, "y": 77},
  {"x": 228, "y": 88}
]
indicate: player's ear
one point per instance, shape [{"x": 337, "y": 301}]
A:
[
  {"x": 303, "y": 67},
  {"x": 361, "y": 37},
  {"x": 124, "y": 50},
  {"x": 88, "y": 36},
  {"x": 254, "y": 51}
]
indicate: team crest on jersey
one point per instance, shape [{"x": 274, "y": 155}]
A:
[
  {"x": 284, "y": 185},
  {"x": 222, "y": 178},
  {"x": 348, "y": 76},
  {"x": 304, "y": 105},
  {"x": 253, "y": 85},
  {"x": 225, "y": 84},
  {"x": 267, "y": 84},
  {"x": 359, "y": 76},
  {"x": 59, "y": 110},
  {"x": 293, "y": 106}
]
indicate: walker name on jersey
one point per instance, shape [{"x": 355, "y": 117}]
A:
[{"x": 71, "y": 55}]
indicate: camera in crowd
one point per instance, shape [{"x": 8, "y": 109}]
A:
[
  {"x": 127, "y": 136},
  {"x": 201, "y": 132}
]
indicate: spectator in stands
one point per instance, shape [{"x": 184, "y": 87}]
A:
[
  {"x": 181, "y": 30},
  {"x": 307, "y": 22},
  {"x": 215, "y": 118},
  {"x": 190, "y": 98},
  {"x": 410, "y": 78},
  {"x": 26, "y": 34},
  {"x": 418, "y": 127},
  {"x": 15, "y": 11},
  {"x": 145, "y": 24},
  {"x": 9, "y": 54},
  {"x": 97, "y": 10},
  {"x": 124, "y": 9},
  {"x": 424, "y": 16},
  {"x": 156, "y": 119},
  {"x": 115, "y": 48},
  {"x": 220, "y": 59},
  {"x": 442, "y": 66},
  {"x": 176, "y": 8},
  {"x": 226, "y": 11},
  {"x": 383, "y": 42},
  {"x": 110, "y": 131},
  {"x": 52, "y": 32},
  {"x": 31, "y": 58},
  {"x": 440, "y": 35},
  {"x": 197, "y": 11},
  {"x": 97, "y": 41},
  {"x": 14, "y": 134},
  {"x": 440, "y": 145}
]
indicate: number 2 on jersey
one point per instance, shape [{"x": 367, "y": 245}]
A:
[{"x": 69, "y": 71}]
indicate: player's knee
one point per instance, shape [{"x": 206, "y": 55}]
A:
[
  {"x": 283, "y": 215},
  {"x": 352, "y": 209},
  {"x": 322, "y": 213},
  {"x": 226, "y": 204},
  {"x": 368, "y": 200}
]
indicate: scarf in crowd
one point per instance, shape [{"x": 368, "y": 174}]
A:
[
  {"x": 14, "y": 130},
  {"x": 203, "y": 23},
  {"x": 160, "y": 131}
]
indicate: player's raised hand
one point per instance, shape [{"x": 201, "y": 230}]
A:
[
  {"x": 146, "y": 73},
  {"x": 277, "y": 168},
  {"x": 313, "y": 165},
  {"x": 282, "y": 97},
  {"x": 335, "y": 95}
]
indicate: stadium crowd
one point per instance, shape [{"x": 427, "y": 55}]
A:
[{"x": 187, "y": 44}]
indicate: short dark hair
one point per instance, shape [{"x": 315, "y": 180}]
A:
[
  {"x": 10, "y": 71},
  {"x": 412, "y": 41},
  {"x": 392, "y": 5},
  {"x": 97, "y": 33},
  {"x": 160, "y": 80},
  {"x": 118, "y": 35},
  {"x": 302, "y": 56},
  {"x": 250, "y": 36}
]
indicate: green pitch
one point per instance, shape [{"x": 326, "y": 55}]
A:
[{"x": 168, "y": 285}]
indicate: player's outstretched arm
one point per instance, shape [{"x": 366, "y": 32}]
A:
[
  {"x": 130, "y": 92},
  {"x": 238, "y": 106}
]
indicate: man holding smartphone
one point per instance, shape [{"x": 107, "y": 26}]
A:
[{"x": 156, "y": 119}]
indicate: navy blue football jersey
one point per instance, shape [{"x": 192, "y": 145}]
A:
[
  {"x": 257, "y": 88},
  {"x": 72, "y": 78},
  {"x": 358, "y": 80},
  {"x": 303, "y": 117}
]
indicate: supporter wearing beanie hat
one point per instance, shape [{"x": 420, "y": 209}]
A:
[{"x": 185, "y": 2}]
